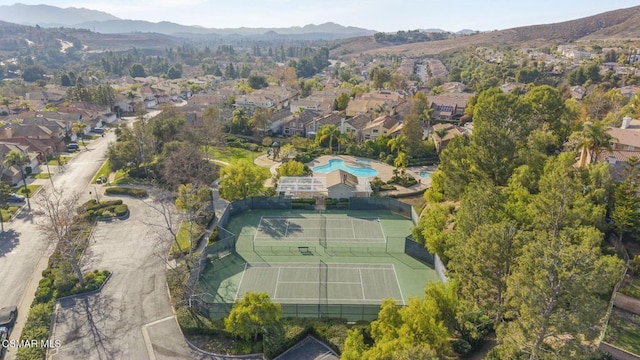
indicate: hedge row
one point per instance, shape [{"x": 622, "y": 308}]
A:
[
  {"x": 105, "y": 209},
  {"x": 116, "y": 190}
]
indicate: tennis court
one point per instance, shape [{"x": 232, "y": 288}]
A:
[
  {"x": 319, "y": 227},
  {"x": 322, "y": 283}
]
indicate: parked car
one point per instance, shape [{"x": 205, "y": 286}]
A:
[
  {"x": 8, "y": 316},
  {"x": 15, "y": 198},
  {"x": 4, "y": 336},
  {"x": 98, "y": 130},
  {"x": 72, "y": 146}
]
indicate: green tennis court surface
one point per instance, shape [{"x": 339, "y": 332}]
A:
[
  {"x": 320, "y": 227},
  {"x": 305, "y": 283}
]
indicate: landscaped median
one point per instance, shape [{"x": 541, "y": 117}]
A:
[
  {"x": 58, "y": 280},
  {"x": 104, "y": 210},
  {"x": 117, "y": 190}
]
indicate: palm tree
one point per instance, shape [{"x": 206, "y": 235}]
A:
[
  {"x": 327, "y": 132},
  {"x": 401, "y": 162},
  {"x": 18, "y": 159},
  {"x": 6, "y": 102},
  {"x": 595, "y": 138},
  {"x": 78, "y": 129},
  {"x": 398, "y": 144}
]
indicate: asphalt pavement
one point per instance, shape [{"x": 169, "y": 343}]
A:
[{"x": 132, "y": 317}]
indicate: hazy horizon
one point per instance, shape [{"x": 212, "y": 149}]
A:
[{"x": 453, "y": 15}]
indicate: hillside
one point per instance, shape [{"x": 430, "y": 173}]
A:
[
  {"x": 623, "y": 24},
  {"x": 50, "y": 16}
]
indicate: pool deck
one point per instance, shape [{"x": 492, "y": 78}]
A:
[{"x": 385, "y": 171}]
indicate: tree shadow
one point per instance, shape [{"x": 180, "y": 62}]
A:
[
  {"x": 8, "y": 241},
  {"x": 91, "y": 317}
]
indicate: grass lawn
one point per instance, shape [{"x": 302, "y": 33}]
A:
[
  {"x": 63, "y": 159},
  {"x": 32, "y": 190},
  {"x": 232, "y": 154},
  {"x": 42, "y": 175},
  {"x": 8, "y": 213},
  {"x": 104, "y": 171},
  {"x": 624, "y": 331},
  {"x": 183, "y": 236}
]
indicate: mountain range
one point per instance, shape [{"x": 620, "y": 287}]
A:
[{"x": 101, "y": 22}]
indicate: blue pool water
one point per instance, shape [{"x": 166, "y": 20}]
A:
[
  {"x": 337, "y": 164},
  {"x": 425, "y": 174}
]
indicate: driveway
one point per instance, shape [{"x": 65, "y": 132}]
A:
[
  {"x": 131, "y": 318},
  {"x": 24, "y": 251}
]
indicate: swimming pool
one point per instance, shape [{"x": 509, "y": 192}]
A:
[
  {"x": 338, "y": 164},
  {"x": 425, "y": 174}
]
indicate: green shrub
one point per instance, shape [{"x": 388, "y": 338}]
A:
[
  {"x": 213, "y": 237},
  {"x": 45, "y": 290},
  {"x": 634, "y": 265},
  {"x": 116, "y": 190},
  {"x": 121, "y": 210}
]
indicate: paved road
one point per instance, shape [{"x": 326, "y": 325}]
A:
[
  {"x": 131, "y": 318},
  {"x": 24, "y": 251}
]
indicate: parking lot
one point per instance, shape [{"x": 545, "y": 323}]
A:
[{"x": 131, "y": 318}]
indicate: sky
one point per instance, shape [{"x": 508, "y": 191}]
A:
[{"x": 380, "y": 15}]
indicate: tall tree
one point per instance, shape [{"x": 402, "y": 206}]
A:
[
  {"x": 625, "y": 215},
  {"x": 413, "y": 132},
  {"x": 254, "y": 314},
  {"x": 190, "y": 202},
  {"x": 240, "y": 181},
  {"x": 557, "y": 289},
  {"x": 57, "y": 219},
  {"x": 482, "y": 265}
]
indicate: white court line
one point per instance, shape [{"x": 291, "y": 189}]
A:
[
  {"x": 398, "y": 282},
  {"x": 275, "y": 292},
  {"x": 361, "y": 284},
  {"x": 286, "y": 229},
  {"x": 328, "y": 282},
  {"x": 257, "y": 230},
  {"x": 353, "y": 230},
  {"x": 373, "y": 301},
  {"x": 384, "y": 237},
  {"x": 335, "y": 267},
  {"x": 240, "y": 283}
]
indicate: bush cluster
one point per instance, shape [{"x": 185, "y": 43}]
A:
[
  {"x": 342, "y": 203},
  {"x": 104, "y": 209},
  {"x": 56, "y": 282},
  {"x": 236, "y": 142},
  {"x": 116, "y": 190},
  {"x": 403, "y": 180}
]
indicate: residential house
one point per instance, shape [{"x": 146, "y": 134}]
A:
[
  {"x": 511, "y": 86},
  {"x": 295, "y": 123},
  {"x": 448, "y": 106},
  {"x": 454, "y": 87},
  {"x": 341, "y": 184},
  {"x": 377, "y": 101},
  {"x": 312, "y": 126},
  {"x": 355, "y": 125},
  {"x": 379, "y": 126},
  {"x": 12, "y": 175},
  {"x": 629, "y": 91},
  {"x": 442, "y": 134},
  {"x": 578, "y": 92},
  {"x": 271, "y": 97},
  {"x": 625, "y": 143}
]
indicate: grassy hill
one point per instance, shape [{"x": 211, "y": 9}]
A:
[{"x": 623, "y": 24}]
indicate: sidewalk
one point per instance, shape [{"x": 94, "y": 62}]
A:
[{"x": 219, "y": 207}]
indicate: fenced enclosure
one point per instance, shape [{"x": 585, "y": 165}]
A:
[{"x": 336, "y": 263}]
